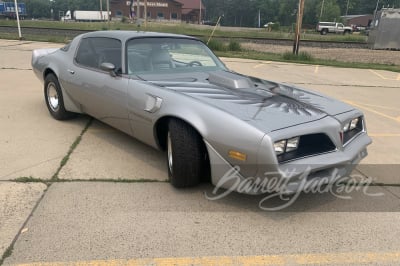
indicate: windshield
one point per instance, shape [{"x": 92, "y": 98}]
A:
[{"x": 169, "y": 55}]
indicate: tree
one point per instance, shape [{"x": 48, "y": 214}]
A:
[
  {"x": 330, "y": 11},
  {"x": 38, "y": 8}
]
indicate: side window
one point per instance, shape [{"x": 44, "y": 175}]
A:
[
  {"x": 86, "y": 55},
  {"x": 92, "y": 52}
]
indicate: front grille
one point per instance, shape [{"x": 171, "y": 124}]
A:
[
  {"x": 349, "y": 135},
  {"x": 309, "y": 145}
]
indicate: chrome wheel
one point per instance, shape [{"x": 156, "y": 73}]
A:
[
  {"x": 169, "y": 150},
  {"x": 52, "y": 97}
]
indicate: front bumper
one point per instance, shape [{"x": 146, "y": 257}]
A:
[{"x": 289, "y": 177}]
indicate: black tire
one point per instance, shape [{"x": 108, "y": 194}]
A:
[
  {"x": 187, "y": 158},
  {"x": 54, "y": 98},
  {"x": 324, "y": 31},
  {"x": 346, "y": 32}
]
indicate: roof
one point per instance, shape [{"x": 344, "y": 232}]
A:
[
  {"x": 190, "y": 5},
  {"x": 126, "y": 35},
  {"x": 356, "y": 16}
]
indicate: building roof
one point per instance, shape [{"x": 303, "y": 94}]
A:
[
  {"x": 356, "y": 16},
  {"x": 190, "y": 5}
]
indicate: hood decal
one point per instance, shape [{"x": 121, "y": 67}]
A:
[{"x": 284, "y": 98}]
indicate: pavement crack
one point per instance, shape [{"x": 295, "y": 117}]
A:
[
  {"x": 15, "y": 68},
  {"x": 10, "y": 248},
  {"x": 73, "y": 146},
  {"x": 15, "y": 44},
  {"x": 385, "y": 188}
]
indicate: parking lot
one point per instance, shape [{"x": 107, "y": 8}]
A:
[{"x": 106, "y": 200}]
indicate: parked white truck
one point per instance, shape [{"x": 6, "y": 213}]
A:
[
  {"x": 81, "y": 15},
  {"x": 333, "y": 27}
]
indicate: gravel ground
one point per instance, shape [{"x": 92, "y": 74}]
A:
[{"x": 339, "y": 54}]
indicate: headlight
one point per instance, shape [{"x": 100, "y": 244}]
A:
[
  {"x": 280, "y": 147},
  {"x": 286, "y": 145},
  {"x": 353, "y": 123},
  {"x": 292, "y": 144}
]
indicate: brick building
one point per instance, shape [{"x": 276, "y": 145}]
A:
[
  {"x": 185, "y": 10},
  {"x": 192, "y": 10}
]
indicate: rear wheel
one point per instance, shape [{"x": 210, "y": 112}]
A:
[
  {"x": 186, "y": 155},
  {"x": 324, "y": 31},
  {"x": 54, "y": 98}
]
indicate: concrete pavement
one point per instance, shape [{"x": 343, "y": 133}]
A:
[
  {"x": 85, "y": 221},
  {"x": 16, "y": 204},
  {"x": 31, "y": 144},
  {"x": 105, "y": 153},
  {"x": 81, "y": 221}
]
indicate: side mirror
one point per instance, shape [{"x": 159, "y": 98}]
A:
[{"x": 109, "y": 67}]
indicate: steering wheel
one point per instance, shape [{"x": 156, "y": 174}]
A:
[{"x": 195, "y": 63}]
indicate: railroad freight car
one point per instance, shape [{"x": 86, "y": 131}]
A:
[{"x": 7, "y": 10}]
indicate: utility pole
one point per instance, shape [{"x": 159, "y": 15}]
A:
[
  {"x": 200, "y": 12},
  {"x": 322, "y": 10},
  {"x": 108, "y": 13},
  {"x": 17, "y": 14},
  {"x": 376, "y": 9},
  {"x": 299, "y": 23},
  {"x": 347, "y": 8},
  {"x": 145, "y": 14},
  {"x": 101, "y": 10},
  {"x": 138, "y": 8}
]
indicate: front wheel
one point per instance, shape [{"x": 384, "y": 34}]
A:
[
  {"x": 54, "y": 98},
  {"x": 186, "y": 155}
]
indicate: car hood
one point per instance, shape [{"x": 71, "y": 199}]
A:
[{"x": 267, "y": 105}]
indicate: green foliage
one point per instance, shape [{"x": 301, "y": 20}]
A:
[
  {"x": 217, "y": 45},
  {"x": 302, "y": 56},
  {"x": 124, "y": 19},
  {"x": 245, "y": 13},
  {"x": 234, "y": 46},
  {"x": 242, "y": 13},
  {"x": 183, "y": 28},
  {"x": 38, "y": 8},
  {"x": 330, "y": 11},
  {"x": 276, "y": 26}
]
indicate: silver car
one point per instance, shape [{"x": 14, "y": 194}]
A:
[{"x": 172, "y": 93}]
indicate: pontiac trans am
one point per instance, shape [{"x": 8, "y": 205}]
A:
[{"x": 172, "y": 93}]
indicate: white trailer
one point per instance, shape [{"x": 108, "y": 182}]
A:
[{"x": 81, "y": 15}]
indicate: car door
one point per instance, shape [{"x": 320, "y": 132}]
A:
[{"x": 100, "y": 94}]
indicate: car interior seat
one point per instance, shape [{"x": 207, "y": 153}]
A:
[{"x": 161, "y": 59}]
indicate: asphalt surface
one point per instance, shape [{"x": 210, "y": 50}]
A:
[{"x": 86, "y": 219}]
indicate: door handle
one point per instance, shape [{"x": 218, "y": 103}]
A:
[{"x": 71, "y": 71}]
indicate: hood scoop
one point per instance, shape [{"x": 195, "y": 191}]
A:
[{"x": 230, "y": 80}]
